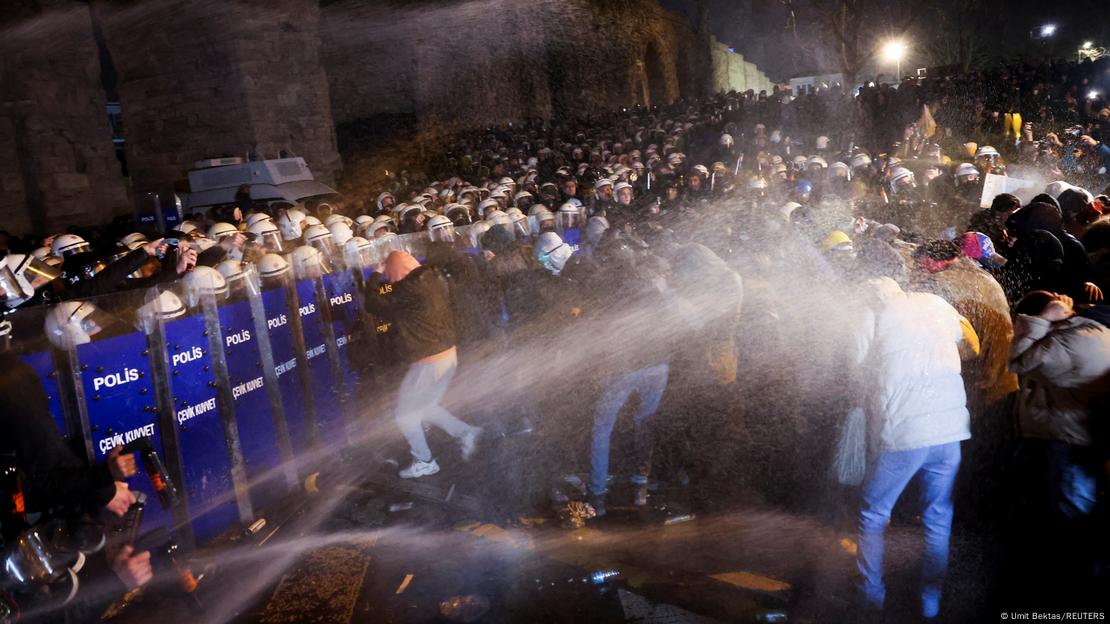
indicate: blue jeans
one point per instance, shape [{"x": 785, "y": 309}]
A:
[
  {"x": 649, "y": 383},
  {"x": 885, "y": 482},
  {"x": 1071, "y": 481}
]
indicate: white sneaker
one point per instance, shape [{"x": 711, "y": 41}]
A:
[
  {"x": 419, "y": 469},
  {"x": 469, "y": 442}
]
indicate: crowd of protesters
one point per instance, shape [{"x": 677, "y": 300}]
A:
[{"x": 784, "y": 290}]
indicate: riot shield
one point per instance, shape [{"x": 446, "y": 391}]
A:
[
  {"x": 323, "y": 360},
  {"x": 185, "y": 331},
  {"x": 287, "y": 345},
  {"x": 248, "y": 359},
  {"x": 25, "y": 339},
  {"x": 112, "y": 384},
  {"x": 344, "y": 307}
]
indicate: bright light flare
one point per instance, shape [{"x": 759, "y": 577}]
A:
[
  {"x": 1087, "y": 45},
  {"x": 894, "y": 50},
  {"x": 1048, "y": 30},
  {"x": 1091, "y": 95}
]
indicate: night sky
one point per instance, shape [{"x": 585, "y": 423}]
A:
[{"x": 758, "y": 30}]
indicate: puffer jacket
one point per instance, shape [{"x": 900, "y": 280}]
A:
[
  {"x": 908, "y": 346},
  {"x": 1065, "y": 372}
]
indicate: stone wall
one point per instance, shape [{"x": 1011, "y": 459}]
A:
[
  {"x": 207, "y": 78},
  {"x": 491, "y": 61},
  {"x": 731, "y": 72},
  {"x": 57, "y": 161}
]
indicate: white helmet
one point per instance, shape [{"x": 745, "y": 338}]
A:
[
  {"x": 272, "y": 265},
  {"x": 267, "y": 234},
  {"x": 220, "y": 230},
  {"x": 382, "y": 197},
  {"x": 165, "y": 307},
  {"x": 486, "y": 205},
  {"x": 356, "y": 252},
  {"x": 816, "y": 162},
  {"x": 337, "y": 218},
  {"x": 291, "y": 224},
  {"x": 133, "y": 240},
  {"x": 440, "y": 228},
  {"x": 340, "y": 232},
  {"x": 552, "y": 252},
  {"x": 258, "y": 217},
  {"x": 788, "y": 209},
  {"x": 362, "y": 220},
  {"x": 986, "y": 150},
  {"x": 966, "y": 169},
  {"x": 899, "y": 174},
  {"x": 1056, "y": 188},
  {"x": 319, "y": 237},
  {"x": 190, "y": 228},
  {"x": 202, "y": 281},
  {"x": 233, "y": 273},
  {"x": 311, "y": 220},
  {"x": 496, "y": 217},
  {"x": 726, "y": 140},
  {"x": 72, "y": 323},
  {"x": 69, "y": 245},
  {"x": 308, "y": 262},
  {"x": 822, "y": 142},
  {"x": 861, "y": 160},
  {"x": 840, "y": 170}
]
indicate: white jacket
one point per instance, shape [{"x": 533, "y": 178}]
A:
[{"x": 908, "y": 350}]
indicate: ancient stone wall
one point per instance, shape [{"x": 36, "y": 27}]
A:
[
  {"x": 57, "y": 161},
  {"x": 491, "y": 61},
  {"x": 208, "y": 78}
]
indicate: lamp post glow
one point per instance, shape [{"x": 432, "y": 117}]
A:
[
  {"x": 895, "y": 51},
  {"x": 1087, "y": 45},
  {"x": 1048, "y": 30}
]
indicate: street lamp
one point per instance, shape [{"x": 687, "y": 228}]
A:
[
  {"x": 895, "y": 50},
  {"x": 1048, "y": 30}
]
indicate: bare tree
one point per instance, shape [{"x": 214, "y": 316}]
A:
[{"x": 854, "y": 26}]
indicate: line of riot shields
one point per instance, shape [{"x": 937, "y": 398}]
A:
[{"x": 238, "y": 384}]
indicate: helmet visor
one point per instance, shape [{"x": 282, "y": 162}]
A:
[
  {"x": 325, "y": 245},
  {"x": 272, "y": 241},
  {"x": 35, "y": 270},
  {"x": 565, "y": 220},
  {"x": 444, "y": 234}
]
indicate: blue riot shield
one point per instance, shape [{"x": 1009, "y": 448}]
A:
[
  {"x": 321, "y": 354},
  {"x": 290, "y": 366},
  {"x": 243, "y": 351},
  {"x": 344, "y": 306},
  {"x": 202, "y": 441},
  {"x": 572, "y": 237},
  {"x": 43, "y": 363},
  {"x": 116, "y": 402}
]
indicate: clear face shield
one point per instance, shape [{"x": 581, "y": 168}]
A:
[
  {"x": 272, "y": 241},
  {"x": 567, "y": 220},
  {"x": 12, "y": 291},
  {"x": 89, "y": 319},
  {"x": 521, "y": 228},
  {"x": 442, "y": 234},
  {"x": 324, "y": 244},
  {"x": 38, "y": 272}
]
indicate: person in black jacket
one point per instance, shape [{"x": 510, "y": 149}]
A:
[{"x": 416, "y": 301}]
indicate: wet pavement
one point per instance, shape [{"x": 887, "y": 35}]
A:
[{"x": 481, "y": 542}]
